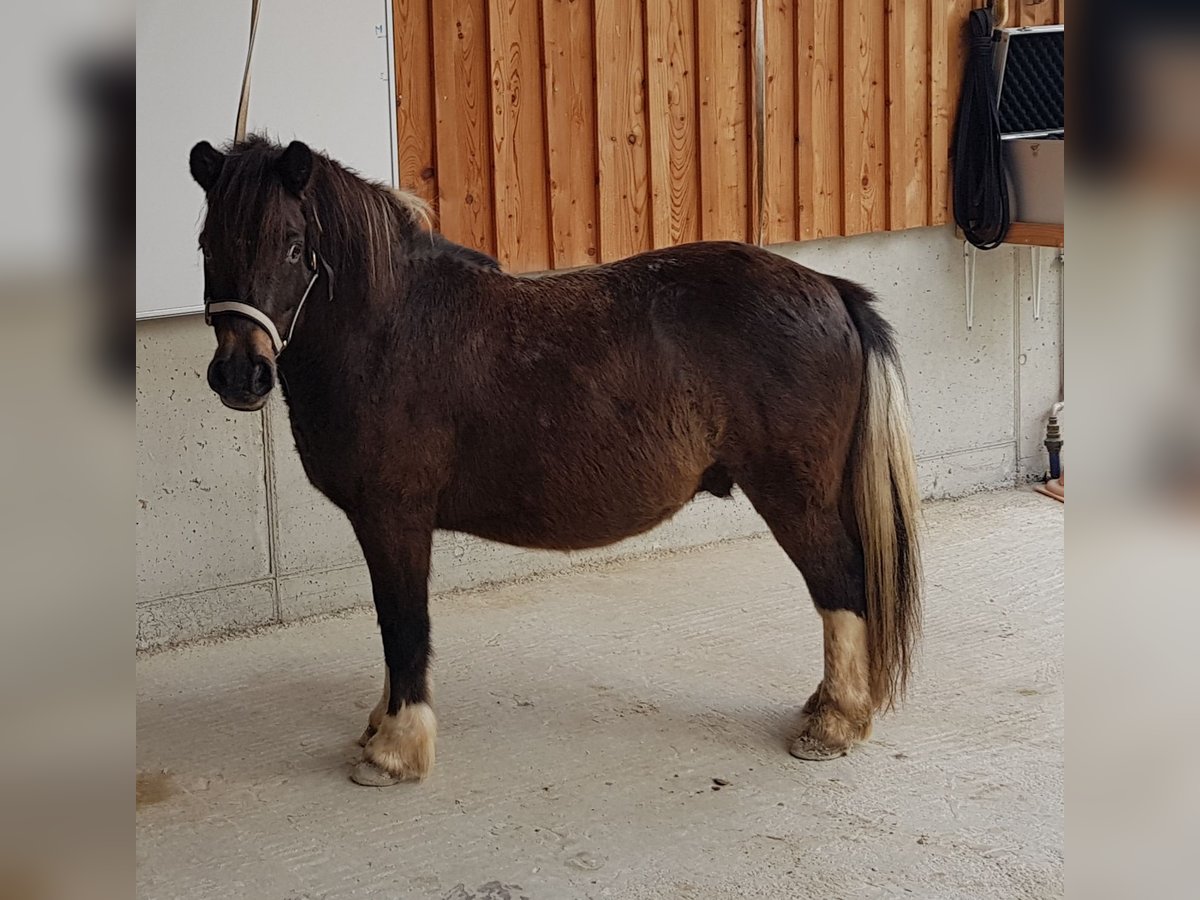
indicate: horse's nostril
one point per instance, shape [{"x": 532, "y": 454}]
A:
[
  {"x": 262, "y": 378},
  {"x": 218, "y": 375}
]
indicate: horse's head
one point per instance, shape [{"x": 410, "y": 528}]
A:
[{"x": 260, "y": 261}]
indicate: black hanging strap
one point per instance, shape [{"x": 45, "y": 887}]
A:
[{"x": 980, "y": 189}]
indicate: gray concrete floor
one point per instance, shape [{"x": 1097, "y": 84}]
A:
[{"x": 584, "y": 718}]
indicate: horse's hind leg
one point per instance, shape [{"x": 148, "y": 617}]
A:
[
  {"x": 810, "y": 528},
  {"x": 838, "y": 714}
]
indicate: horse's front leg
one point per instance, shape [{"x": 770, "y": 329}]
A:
[
  {"x": 402, "y": 730},
  {"x": 378, "y": 712}
]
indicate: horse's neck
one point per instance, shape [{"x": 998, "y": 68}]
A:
[
  {"x": 325, "y": 368},
  {"x": 310, "y": 387}
]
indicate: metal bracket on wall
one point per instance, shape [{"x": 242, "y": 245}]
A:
[
  {"x": 969, "y": 252},
  {"x": 1035, "y": 267}
]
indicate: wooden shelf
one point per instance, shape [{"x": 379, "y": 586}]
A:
[
  {"x": 1029, "y": 234},
  {"x": 1034, "y": 234}
]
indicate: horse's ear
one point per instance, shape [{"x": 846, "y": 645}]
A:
[
  {"x": 206, "y": 162},
  {"x": 295, "y": 166}
]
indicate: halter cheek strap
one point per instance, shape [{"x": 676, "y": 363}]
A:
[{"x": 260, "y": 318}]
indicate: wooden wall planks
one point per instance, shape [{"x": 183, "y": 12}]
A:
[
  {"x": 414, "y": 97},
  {"x": 557, "y": 133},
  {"x": 674, "y": 125},
  {"x": 947, "y": 56},
  {"x": 570, "y": 93},
  {"x": 908, "y": 113},
  {"x": 864, "y": 116},
  {"x": 1039, "y": 12},
  {"x": 782, "y": 132},
  {"x": 722, "y": 41},
  {"x": 621, "y": 129},
  {"x": 519, "y": 136},
  {"x": 819, "y": 96},
  {"x": 463, "y": 125}
]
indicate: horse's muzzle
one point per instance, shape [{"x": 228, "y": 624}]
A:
[{"x": 241, "y": 381}]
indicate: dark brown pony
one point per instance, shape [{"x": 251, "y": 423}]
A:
[{"x": 429, "y": 390}]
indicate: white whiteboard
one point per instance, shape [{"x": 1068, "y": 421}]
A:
[{"x": 322, "y": 73}]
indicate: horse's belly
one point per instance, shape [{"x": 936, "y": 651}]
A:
[
  {"x": 575, "y": 504},
  {"x": 578, "y": 531}
]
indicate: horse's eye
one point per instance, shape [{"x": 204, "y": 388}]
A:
[{"x": 293, "y": 254}]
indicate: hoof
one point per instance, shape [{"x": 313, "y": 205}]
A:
[
  {"x": 828, "y": 735},
  {"x": 402, "y": 748},
  {"x": 368, "y": 733},
  {"x": 807, "y": 747},
  {"x": 368, "y": 774}
]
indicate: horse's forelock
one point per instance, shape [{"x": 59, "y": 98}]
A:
[
  {"x": 246, "y": 201},
  {"x": 351, "y": 220}
]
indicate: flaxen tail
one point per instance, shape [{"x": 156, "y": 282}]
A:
[{"x": 886, "y": 502}]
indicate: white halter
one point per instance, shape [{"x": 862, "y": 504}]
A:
[{"x": 260, "y": 318}]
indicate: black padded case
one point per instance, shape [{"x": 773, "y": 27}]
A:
[{"x": 1030, "y": 77}]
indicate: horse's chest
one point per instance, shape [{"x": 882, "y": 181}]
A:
[{"x": 319, "y": 456}]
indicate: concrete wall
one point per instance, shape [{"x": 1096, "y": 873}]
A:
[{"x": 230, "y": 535}]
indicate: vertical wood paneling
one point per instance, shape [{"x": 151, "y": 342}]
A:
[
  {"x": 941, "y": 118},
  {"x": 464, "y": 129},
  {"x": 864, "y": 116},
  {"x": 414, "y": 98},
  {"x": 908, "y": 113},
  {"x": 947, "y": 57},
  {"x": 621, "y": 129},
  {"x": 819, "y": 114},
  {"x": 519, "y": 136},
  {"x": 563, "y": 132},
  {"x": 782, "y": 130},
  {"x": 722, "y": 40},
  {"x": 671, "y": 105},
  {"x": 570, "y": 128},
  {"x": 806, "y": 88},
  {"x": 1034, "y": 12}
]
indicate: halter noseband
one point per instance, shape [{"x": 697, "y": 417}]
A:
[{"x": 260, "y": 318}]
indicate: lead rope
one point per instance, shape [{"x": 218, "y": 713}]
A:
[
  {"x": 236, "y": 306},
  {"x": 760, "y": 124},
  {"x": 239, "y": 127}
]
